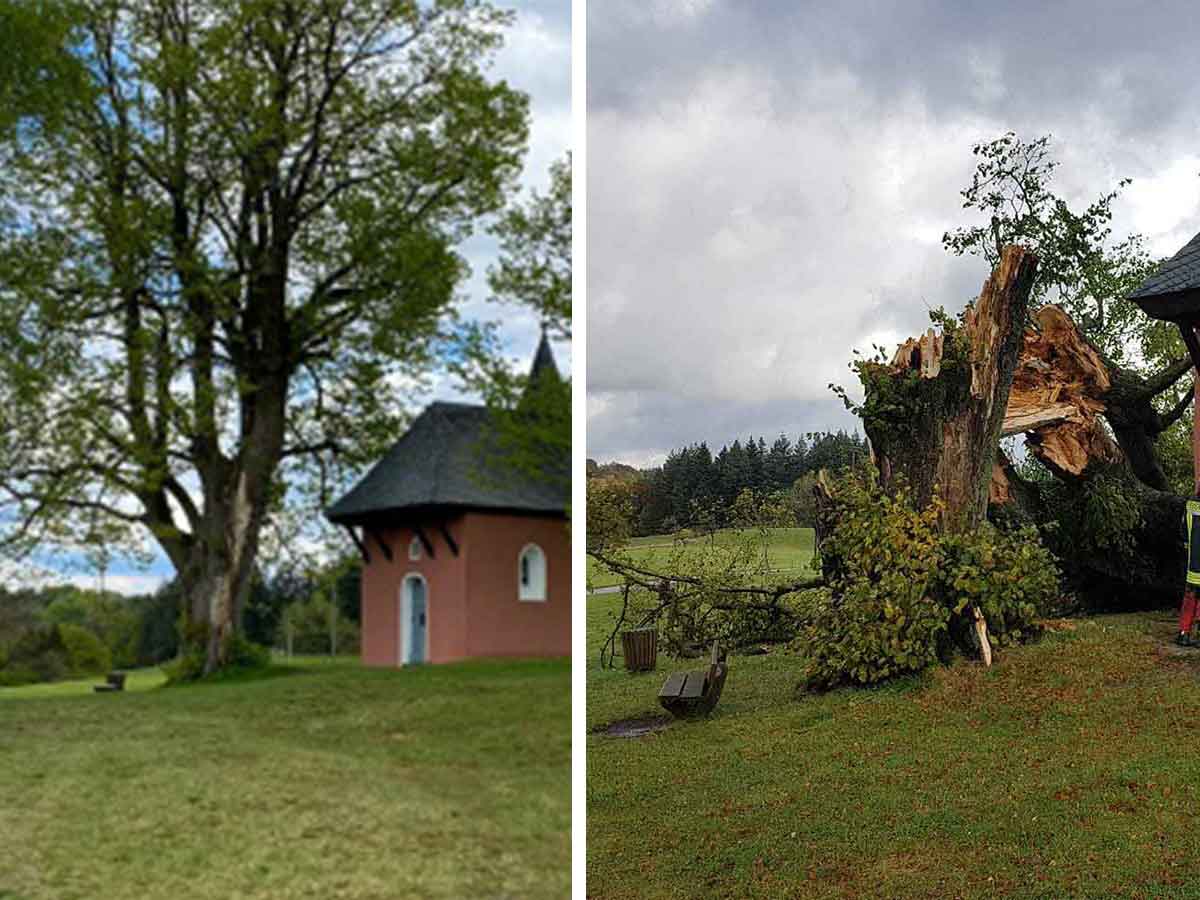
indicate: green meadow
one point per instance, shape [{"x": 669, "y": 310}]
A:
[
  {"x": 314, "y": 779},
  {"x": 789, "y": 550},
  {"x": 1069, "y": 769}
]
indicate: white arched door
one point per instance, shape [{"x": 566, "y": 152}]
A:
[{"x": 414, "y": 621}]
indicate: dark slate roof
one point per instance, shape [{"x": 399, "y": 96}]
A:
[
  {"x": 1173, "y": 291},
  {"x": 443, "y": 461}
]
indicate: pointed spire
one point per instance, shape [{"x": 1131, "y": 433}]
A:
[{"x": 543, "y": 360}]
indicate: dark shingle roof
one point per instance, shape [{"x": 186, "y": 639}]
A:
[
  {"x": 443, "y": 460},
  {"x": 1174, "y": 290}
]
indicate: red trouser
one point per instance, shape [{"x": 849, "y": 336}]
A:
[{"x": 1187, "y": 614}]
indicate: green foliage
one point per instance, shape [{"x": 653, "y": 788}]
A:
[
  {"x": 1080, "y": 266},
  {"x": 1173, "y": 447},
  {"x": 535, "y": 253},
  {"x": 1100, "y": 519},
  {"x": 899, "y": 403},
  {"x": 531, "y": 417},
  {"x": 38, "y": 655},
  {"x": 902, "y": 591},
  {"x": 39, "y": 72},
  {"x": 113, "y": 619},
  {"x": 1008, "y": 575},
  {"x": 610, "y": 506},
  {"x": 802, "y": 500},
  {"x": 245, "y": 655},
  {"x": 719, "y": 585},
  {"x": 694, "y": 488},
  {"x": 187, "y": 667},
  {"x": 158, "y": 617},
  {"x": 881, "y": 563},
  {"x": 86, "y": 654}
]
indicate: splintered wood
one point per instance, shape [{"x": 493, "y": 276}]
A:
[
  {"x": 1057, "y": 397},
  {"x": 923, "y": 354}
]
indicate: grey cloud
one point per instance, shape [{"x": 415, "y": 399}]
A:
[{"x": 769, "y": 181}]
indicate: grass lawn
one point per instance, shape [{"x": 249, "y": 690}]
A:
[
  {"x": 317, "y": 779},
  {"x": 790, "y": 551},
  {"x": 1069, "y": 769}
]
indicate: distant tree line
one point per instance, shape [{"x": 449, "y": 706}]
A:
[
  {"x": 695, "y": 488},
  {"x": 64, "y": 631}
]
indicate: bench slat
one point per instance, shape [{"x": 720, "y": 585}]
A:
[
  {"x": 694, "y": 687},
  {"x": 674, "y": 685}
]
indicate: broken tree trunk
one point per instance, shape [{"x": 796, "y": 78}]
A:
[
  {"x": 934, "y": 415},
  {"x": 1070, "y": 401},
  {"x": 1062, "y": 389}
]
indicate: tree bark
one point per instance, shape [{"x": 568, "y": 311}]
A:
[{"x": 934, "y": 415}]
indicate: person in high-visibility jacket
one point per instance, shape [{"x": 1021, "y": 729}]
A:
[{"x": 1187, "y": 612}]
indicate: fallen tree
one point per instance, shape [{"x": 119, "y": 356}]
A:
[
  {"x": 1092, "y": 425},
  {"x": 705, "y": 592}
]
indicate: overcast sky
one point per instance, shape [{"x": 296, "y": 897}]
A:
[
  {"x": 536, "y": 59},
  {"x": 769, "y": 180}
]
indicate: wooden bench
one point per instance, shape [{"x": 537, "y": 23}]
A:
[
  {"x": 695, "y": 693},
  {"x": 115, "y": 681}
]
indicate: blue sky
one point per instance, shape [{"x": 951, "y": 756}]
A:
[{"x": 536, "y": 59}]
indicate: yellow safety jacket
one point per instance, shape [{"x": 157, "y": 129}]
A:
[{"x": 1191, "y": 515}]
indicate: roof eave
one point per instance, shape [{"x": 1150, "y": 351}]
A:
[
  {"x": 399, "y": 514},
  {"x": 1174, "y": 306}
]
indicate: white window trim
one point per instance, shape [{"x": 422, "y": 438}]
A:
[
  {"x": 414, "y": 549},
  {"x": 533, "y": 596},
  {"x": 406, "y": 616}
]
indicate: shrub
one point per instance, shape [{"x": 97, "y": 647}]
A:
[
  {"x": 244, "y": 656},
  {"x": 188, "y": 666},
  {"x": 86, "y": 655},
  {"x": 17, "y": 676},
  {"x": 1009, "y": 576},
  {"x": 901, "y": 591}
]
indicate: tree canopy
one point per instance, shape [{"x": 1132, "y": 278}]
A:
[{"x": 222, "y": 264}]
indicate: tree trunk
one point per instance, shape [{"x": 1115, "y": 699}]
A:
[
  {"x": 934, "y": 415},
  {"x": 218, "y": 584}
]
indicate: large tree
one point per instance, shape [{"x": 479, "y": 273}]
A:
[
  {"x": 217, "y": 270},
  {"x": 1102, "y": 393}
]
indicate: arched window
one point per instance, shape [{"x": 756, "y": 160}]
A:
[
  {"x": 531, "y": 573},
  {"x": 414, "y": 548}
]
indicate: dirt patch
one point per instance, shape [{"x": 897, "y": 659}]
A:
[{"x": 638, "y": 726}]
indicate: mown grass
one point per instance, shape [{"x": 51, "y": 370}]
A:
[
  {"x": 320, "y": 780},
  {"x": 790, "y": 550},
  {"x": 1069, "y": 769}
]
